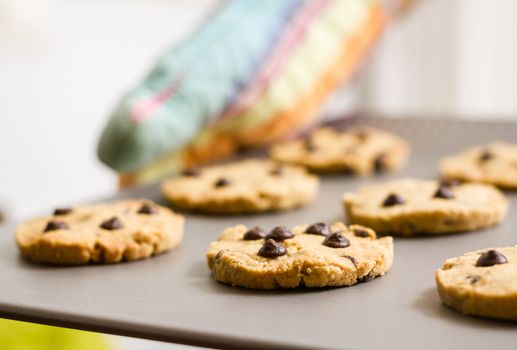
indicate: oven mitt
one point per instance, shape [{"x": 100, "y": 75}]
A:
[{"x": 253, "y": 73}]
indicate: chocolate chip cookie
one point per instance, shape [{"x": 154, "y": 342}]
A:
[
  {"x": 495, "y": 164},
  {"x": 101, "y": 233},
  {"x": 242, "y": 187},
  {"x": 410, "y": 206},
  {"x": 358, "y": 150},
  {"x": 481, "y": 283},
  {"x": 316, "y": 255}
]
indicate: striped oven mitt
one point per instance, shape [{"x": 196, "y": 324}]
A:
[{"x": 253, "y": 73}]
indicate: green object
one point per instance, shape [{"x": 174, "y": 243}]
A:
[{"x": 15, "y": 335}]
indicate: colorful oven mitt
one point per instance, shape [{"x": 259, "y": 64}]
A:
[{"x": 254, "y": 72}]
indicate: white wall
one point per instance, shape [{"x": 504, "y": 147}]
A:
[
  {"x": 453, "y": 57},
  {"x": 59, "y": 82}
]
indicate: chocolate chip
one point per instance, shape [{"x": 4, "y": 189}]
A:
[
  {"x": 272, "y": 249},
  {"x": 309, "y": 145},
  {"x": 473, "y": 278},
  {"x": 254, "y": 233},
  {"x": 361, "y": 134},
  {"x": 359, "y": 232},
  {"x": 112, "y": 224},
  {"x": 449, "y": 182},
  {"x": 62, "y": 211},
  {"x": 490, "y": 258},
  {"x": 485, "y": 155},
  {"x": 280, "y": 233},
  {"x": 393, "y": 199},
  {"x": 55, "y": 225},
  {"x": 147, "y": 209},
  {"x": 444, "y": 193},
  {"x": 318, "y": 228},
  {"x": 190, "y": 172},
  {"x": 379, "y": 163},
  {"x": 222, "y": 182},
  {"x": 351, "y": 258},
  {"x": 277, "y": 170},
  {"x": 336, "y": 240},
  {"x": 365, "y": 279}
]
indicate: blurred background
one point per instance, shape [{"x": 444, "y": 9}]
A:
[{"x": 65, "y": 64}]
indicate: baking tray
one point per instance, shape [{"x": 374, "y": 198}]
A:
[{"x": 172, "y": 297}]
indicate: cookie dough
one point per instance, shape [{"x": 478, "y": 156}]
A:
[
  {"x": 102, "y": 233},
  {"x": 495, "y": 164},
  {"x": 315, "y": 255},
  {"x": 242, "y": 187},
  {"x": 481, "y": 283},
  {"x": 410, "y": 206},
  {"x": 358, "y": 150}
]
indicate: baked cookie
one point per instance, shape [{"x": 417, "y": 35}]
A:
[
  {"x": 481, "y": 283},
  {"x": 242, "y": 187},
  {"x": 101, "y": 233},
  {"x": 495, "y": 163},
  {"x": 318, "y": 255},
  {"x": 358, "y": 150},
  {"x": 410, "y": 206}
]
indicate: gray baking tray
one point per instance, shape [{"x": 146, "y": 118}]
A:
[{"x": 172, "y": 297}]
